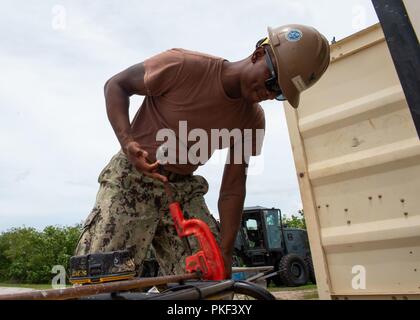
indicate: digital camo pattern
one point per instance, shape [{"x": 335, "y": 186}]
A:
[{"x": 131, "y": 213}]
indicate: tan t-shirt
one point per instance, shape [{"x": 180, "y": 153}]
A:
[{"x": 185, "y": 92}]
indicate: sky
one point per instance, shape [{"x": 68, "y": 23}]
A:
[{"x": 55, "y": 57}]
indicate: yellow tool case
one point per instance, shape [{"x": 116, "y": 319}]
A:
[{"x": 102, "y": 267}]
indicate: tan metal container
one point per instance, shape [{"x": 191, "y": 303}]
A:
[
  {"x": 413, "y": 10},
  {"x": 357, "y": 156}
]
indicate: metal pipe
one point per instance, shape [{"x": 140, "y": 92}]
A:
[
  {"x": 256, "y": 277},
  {"x": 252, "y": 269},
  {"x": 273, "y": 274},
  {"x": 263, "y": 276},
  {"x": 87, "y": 290},
  {"x": 252, "y": 290}
]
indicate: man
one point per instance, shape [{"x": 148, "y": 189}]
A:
[{"x": 186, "y": 90}]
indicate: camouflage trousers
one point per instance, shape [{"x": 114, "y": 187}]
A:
[{"x": 131, "y": 213}]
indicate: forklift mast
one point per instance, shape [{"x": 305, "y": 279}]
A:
[{"x": 283, "y": 237}]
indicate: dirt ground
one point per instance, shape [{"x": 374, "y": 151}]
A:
[
  {"x": 311, "y": 294},
  {"x": 7, "y": 290}
]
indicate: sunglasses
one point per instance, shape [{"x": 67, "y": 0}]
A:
[{"x": 272, "y": 83}]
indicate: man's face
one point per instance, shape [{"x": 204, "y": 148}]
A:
[{"x": 253, "y": 85}]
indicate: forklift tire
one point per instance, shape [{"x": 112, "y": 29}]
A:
[
  {"x": 293, "y": 270},
  {"x": 311, "y": 269}
]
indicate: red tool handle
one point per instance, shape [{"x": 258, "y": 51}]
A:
[{"x": 208, "y": 260}]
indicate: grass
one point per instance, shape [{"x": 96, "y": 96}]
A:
[
  {"x": 311, "y": 296},
  {"x": 28, "y": 286},
  {"x": 306, "y": 287}
]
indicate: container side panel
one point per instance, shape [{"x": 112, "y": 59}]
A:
[{"x": 357, "y": 156}]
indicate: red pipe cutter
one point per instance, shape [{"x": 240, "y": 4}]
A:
[{"x": 208, "y": 261}]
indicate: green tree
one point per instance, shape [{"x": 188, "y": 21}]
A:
[
  {"x": 28, "y": 255},
  {"x": 296, "y": 221}
]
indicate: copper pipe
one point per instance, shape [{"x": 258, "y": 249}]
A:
[{"x": 94, "y": 289}]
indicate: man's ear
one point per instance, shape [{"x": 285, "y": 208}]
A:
[{"x": 258, "y": 54}]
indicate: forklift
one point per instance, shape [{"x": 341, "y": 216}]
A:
[{"x": 263, "y": 240}]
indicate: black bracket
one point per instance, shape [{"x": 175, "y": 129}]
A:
[{"x": 405, "y": 51}]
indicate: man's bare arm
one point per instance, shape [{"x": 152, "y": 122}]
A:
[
  {"x": 118, "y": 91},
  {"x": 231, "y": 202}
]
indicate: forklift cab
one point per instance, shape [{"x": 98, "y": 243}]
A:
[
  {"x": 263, "y": 239},
  {"x": 272, "y": 220},
  {"x": 261, "y": 230}
]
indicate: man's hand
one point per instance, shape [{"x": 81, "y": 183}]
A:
[{"x": 138, "y": 157}]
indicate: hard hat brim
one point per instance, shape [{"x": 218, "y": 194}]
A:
[{"x": 288, "y": 88}]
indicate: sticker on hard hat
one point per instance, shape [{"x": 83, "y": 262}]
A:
[
  {"x": 299, "y": 83},
  {"x": 294, "y": 35}
]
